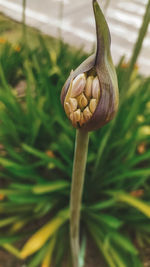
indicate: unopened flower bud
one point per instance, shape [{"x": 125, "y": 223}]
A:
[
  {"x": 93, "y": 104},
  {"x": 82, "y": 120},
  {"x": 78, "y": 85},
  {"x": 96, "y": 88},
  {"x": 77, "y": 115},
  {"x": 82, "y": 101},
  {"x": 67, "y": 108},
  {"x": 73, "y": 104},
  {"x": 88, "y": 87},
  {"x": 87, "y": 113},
  {"x": 90, "y": 94}
]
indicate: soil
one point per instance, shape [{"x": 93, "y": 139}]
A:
[
  {"x": 7, "y": 260},
  {"x": 93, "y": 259}
]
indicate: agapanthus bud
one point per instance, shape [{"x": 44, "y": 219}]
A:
[{"x": 90, "y": 94}]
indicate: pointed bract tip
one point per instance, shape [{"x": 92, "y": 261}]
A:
[{"x": 95, "y": 2}]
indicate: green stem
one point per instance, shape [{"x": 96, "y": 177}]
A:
[
  {"x": 24, "y": 21},
  {"x": 140, "y": 39},
  {"x": 137, "y": 49},
  {"x": 80, "y": 157}
]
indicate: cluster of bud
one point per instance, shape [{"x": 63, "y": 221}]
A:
[{"x": 82, "y": 98}]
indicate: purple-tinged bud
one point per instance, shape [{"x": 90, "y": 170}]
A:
[{"x": 90, "y": 94}]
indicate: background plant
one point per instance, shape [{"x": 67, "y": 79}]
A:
[{"x": 36, "y": 162}]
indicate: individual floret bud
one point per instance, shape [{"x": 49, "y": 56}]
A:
[
  {"x": 88, "y": 87},
  {"x": 93, "y": 104},
  {"x": 87, "y": 114},
  {"x": 90, "y": 95},
  {"x": 82, "y": 120},
  {"x": 82, "y": 101},
  {"x": 96, "y": 88},
  {"x": 78, "y": 85},
  {"x": 67, "y": 108},
  {"x": 77, "y": 115},
  {"x": 73, "y": 104}
]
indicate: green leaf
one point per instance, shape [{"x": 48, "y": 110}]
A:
[
  {"x": 117, "y": 257},
  {"x": 9, "y": 220},
  {"x": 124, "y": 242},
  {"x": 43, "y": 156},
  {"x": 9, "y": 239},
  {"x": 38, "y": 257},
  {"x": 47, "y": 259},
  {"x": 10, "y": 248},
  {"x": 43, "y": 234},
  {"x": 134, "y": 202},
  {"x": 109, "y": 220},
  {"x": 50, "y": 187},
  {"x": 94, "y": 230},
  {"x": 103, "y": 204}
]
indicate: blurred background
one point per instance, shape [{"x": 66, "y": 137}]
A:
[
  {"x": 76, "y": 22},
  {"x": 39, "y": 46}
]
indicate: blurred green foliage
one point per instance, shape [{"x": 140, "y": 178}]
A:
[{"x": 36, "y": 153}]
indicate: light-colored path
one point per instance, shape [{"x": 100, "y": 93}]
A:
[{"x": 78, "y": 28}]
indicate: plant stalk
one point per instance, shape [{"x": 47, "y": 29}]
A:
[
  {"x": 140, "y": 39},
  {"x": 24, "y": 21},
  {"x": 136, "y": 50},
  {"x": 80, "y": 157}
]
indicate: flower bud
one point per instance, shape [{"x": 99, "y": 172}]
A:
[
  {"x": 88, "y": 87},
  {"x": 78, "y": 85},
  {"x": 82, "y": 101},
  {"x": 87, "y": 114},
  {"x": 73, "y": 104},
  {"x": 96, "y": 88},
  {"x": 92, "y": 105},
  {"x": 90, "y": 94}
]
